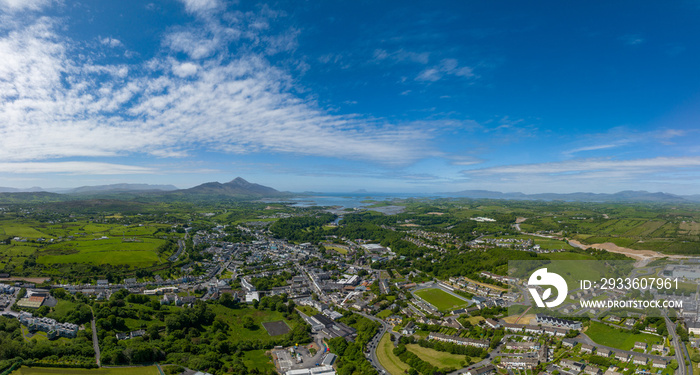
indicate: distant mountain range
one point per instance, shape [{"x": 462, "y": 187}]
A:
[
  {"x": 114, "y": 188},
  {"x": 237, "y": 188},
  {"x": 117, "y": 188},
  {"x": 13, "y": 190},
  {"x": 622, "y": 196}
]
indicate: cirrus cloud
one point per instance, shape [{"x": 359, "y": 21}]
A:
[{"x": 55, "y": 103}]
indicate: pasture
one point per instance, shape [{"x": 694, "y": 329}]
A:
[
  {"x": 81, "y": 242},
  {"x": 103, "y": 251}
]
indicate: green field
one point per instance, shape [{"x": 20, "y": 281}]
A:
[
  {"x": 441, "y": 299},
  {"x": 108, "y": 251},
  {"x": 256, "y": 359},
  {"x": 150, "y": 370},
  {"x": 385, "y": 354},
  {"x": 81, "y": 242},
  {"x": 20, "y": 230},
  {"x": 234, "y": 317},
  {"x": 436, "y": 358},
  {"x": 613, "y": 337}
]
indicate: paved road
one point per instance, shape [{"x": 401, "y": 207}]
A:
[
  {"x": 374, "y": 342},
  {"x": 681, "y": 350},
  {"x": 492, "y": 354},
  {"x": 95, "y": 342}
]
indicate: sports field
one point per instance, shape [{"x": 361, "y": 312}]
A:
[
  {"x": 441, "y": 299},
  {"x": 150, "y": 370},
  {"x": 339, "y": 249},
  {"x": 619, "y": 338}
]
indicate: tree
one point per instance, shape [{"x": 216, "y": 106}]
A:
[
  {"x": 153, "y": 333},
  {"x": 248, "y": 322}
]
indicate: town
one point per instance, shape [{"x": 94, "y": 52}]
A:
[{"x": 456, "y": 325}]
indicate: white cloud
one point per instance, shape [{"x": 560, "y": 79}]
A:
[
  {"x": 73, "y": 167},
  {"x": 196, "y": 45},
  {"x": 402, "y": 55},
  {"x": 593, "y": 165},
  {"x": 445, "y": 68},
  {"x": 431, "y": 74},
  {"x": 621, "y": 136},
  {"x": 53, "y": 105},
  {"x": 19, "y": 5},
  {"x": 108, "y": 41},
  {"x": 201, "y": 6},
  {"x": 185, "y": 69},
  {"x": 593, "y": 148},
  {"x": 465, "y": 160},
  {"x": 669, "y": 174}
]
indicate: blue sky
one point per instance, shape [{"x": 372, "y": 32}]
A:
[{"x": 338, "y": 96}]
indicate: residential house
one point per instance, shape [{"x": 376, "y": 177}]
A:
[
  {"x": 519, "y": 363},
  {"x": 557, "y": 322},
  {"x": 486, "y": 370},
  {"x": 693, "y": 327},
  {"x": 571, "y": 364},
  {"x": 492, "y": 323},
  {"x": 409, "y": 329},
  {"x": 640, "y": 345},
  {"x": 458, "y": 340},
  {"x": 639, "y": 360},
  {"x": 527, "y": 346},
  {"x": 513, "y": 327}
]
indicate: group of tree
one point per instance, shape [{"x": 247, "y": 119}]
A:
[
  {"x": 14, "y": 347},
  {"x": 351, "y": 358}
]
